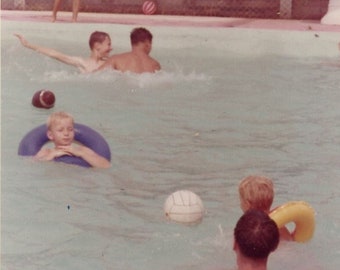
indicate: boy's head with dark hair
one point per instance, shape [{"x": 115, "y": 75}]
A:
[
  {"x": 97, "y": 37},
  {"x": 140, "y": 34},
  {"x": 256, "y": 236}
]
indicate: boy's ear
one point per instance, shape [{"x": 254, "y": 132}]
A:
[
  {"x": 248, "y": 204},
  {"x": 49, "y": 135},
  {"x": 245, "y": 205},
  {"x": 96, "y": 45}
]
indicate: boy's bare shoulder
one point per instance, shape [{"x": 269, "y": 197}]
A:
[{"x": 120, "y": 56}]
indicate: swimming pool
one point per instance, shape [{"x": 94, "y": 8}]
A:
[{"x": 228, "y": 103}]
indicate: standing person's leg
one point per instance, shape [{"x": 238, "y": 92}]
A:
[
  {"x": 75, "y": 10},
  {"x": 56, "y": 6}
]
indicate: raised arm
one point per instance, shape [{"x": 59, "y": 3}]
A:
[{"x": 69, "y": 60}]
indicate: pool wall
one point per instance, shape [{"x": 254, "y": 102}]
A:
[{"x": 274, "y": 9}]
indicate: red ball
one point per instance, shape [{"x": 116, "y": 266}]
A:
[
  {"x": 149, "y": 7},
  {"x": 43, "y": 99}
]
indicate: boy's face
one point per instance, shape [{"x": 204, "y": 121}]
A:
[
  {"x": 61, "y": 132},
  {"x": 104, "y": 48}
]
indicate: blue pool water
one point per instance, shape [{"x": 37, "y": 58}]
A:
[{"x": 228, "y": 103}]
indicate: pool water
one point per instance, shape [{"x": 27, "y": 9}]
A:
[{"x": 228, "y": 103}]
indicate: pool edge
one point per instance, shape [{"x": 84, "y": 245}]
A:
[{"x": 170, "y": 20}]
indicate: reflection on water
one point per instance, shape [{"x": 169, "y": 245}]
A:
[{"x": 207, "y": 120}]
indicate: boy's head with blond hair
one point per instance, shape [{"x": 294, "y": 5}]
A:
[
  {"x": 60, "y": 128},
  {"x": 256, "y": 192},
  {"x": 56, "y": 117}
]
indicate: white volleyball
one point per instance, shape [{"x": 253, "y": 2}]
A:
[{"x": 184, "y": 206}]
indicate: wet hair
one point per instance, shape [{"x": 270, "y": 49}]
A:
[
  {"x": 258, "y": 191},
  {"x": 57, "y": 116},
  {"x": 97, "y": 36},
  {"x": 140, "y": 34},
  {"x": 256, "y": 234}
]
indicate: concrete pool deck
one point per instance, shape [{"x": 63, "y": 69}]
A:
[{"x": 166, "y": 20}]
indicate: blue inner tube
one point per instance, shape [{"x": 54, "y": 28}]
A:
[{"x": 37, "y": 137}]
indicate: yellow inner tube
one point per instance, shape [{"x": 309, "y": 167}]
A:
[{"x": 298, "y": 212}]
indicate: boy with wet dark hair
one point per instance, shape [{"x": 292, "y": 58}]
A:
[{"x": 256, "y": 235}]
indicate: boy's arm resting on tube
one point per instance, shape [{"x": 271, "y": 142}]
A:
[{"x": 86, "y": 154}]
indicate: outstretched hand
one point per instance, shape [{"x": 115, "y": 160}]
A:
[{"x": 23, "y": 41}]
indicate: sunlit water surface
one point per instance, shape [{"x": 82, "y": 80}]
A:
[{"x": 228, "y": 103}]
